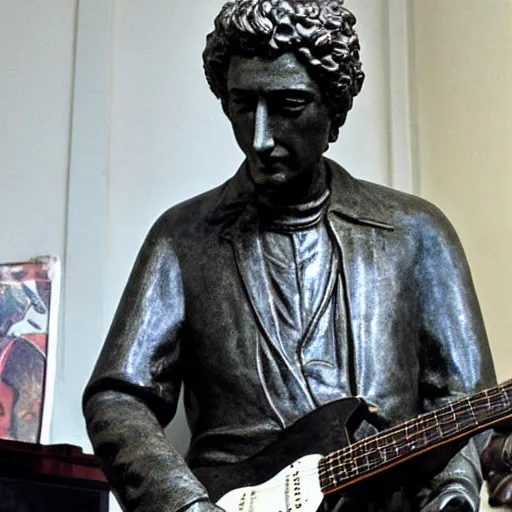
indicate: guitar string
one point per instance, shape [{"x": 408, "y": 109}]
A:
[
  {"x": 343, "y": 470},
  {"x": 450, "y": 411},
  {"x": 409, "y": 434},
  {"x": 347, "y": 453},
  {"x": 322, "y": 469}
]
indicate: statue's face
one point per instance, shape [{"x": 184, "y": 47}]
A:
[{"x": 280, "y": 121}]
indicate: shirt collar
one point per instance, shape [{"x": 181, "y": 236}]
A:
[{"x": 352, "y": 199}]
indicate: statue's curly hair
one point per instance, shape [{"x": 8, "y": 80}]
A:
[{"x": 319, "y": 32}]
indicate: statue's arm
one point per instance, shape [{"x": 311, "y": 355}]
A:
[
  {"x": 456, "y": 358},
  {"x": 134, "y": 389},
  {"x": 144, "y": 470}
]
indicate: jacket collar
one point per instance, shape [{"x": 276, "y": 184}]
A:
[
  {"x": 356, "y": 200},
  {"x": 351, "y": 199}
]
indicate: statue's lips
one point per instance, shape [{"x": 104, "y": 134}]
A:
[
  {"x": 271, "y": 166},
  {"x": 272, "y": 171}
]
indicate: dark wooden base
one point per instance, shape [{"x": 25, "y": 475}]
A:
[
  {"x": 33, "y": 496},
  {"x": 58, "y": 478}
]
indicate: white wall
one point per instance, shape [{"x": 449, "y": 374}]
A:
[
  {"x": 37, "y": 48},
  {"x": 36, "y": 77}
]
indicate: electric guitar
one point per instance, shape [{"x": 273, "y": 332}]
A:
[{"x": 293, "y": 473}]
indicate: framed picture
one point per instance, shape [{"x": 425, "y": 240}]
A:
[{"x": 29, "y": 304}]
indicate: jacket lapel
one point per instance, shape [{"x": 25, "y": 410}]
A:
[
  {"x": 285, "y": 386},
  {"x": 361, "y": 227},
  {"x": 251, "y": 266},
  {"x": 363, "y": 269}
]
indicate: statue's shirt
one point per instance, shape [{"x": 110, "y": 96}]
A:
[
  {"x": 298, "y": 266},
  {"x": 302, "y": 269}
]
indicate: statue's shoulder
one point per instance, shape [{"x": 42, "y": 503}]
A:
[
  {"x": 365, "y": 200},
  {"x": 195, "y": 216},
  {"x": 406, "y": 213},
  {"x": 195, "y": 209},
  {"x": 410, "y": 212}
]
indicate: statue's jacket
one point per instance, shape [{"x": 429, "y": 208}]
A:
[{"x": 196, "y": 311}]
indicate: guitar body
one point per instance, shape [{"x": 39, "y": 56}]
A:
[
  {"x": 307, "y": 468},
  {"x": 293, "y": 488},
  {"x": 297, "y": 449}
]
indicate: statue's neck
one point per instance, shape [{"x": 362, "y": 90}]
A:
[
  {"x": 295, "y": 206},
  {"x": 293, "y": 217}
]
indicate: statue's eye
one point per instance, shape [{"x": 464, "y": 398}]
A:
[
  {"x": 293, "y": 104},
  {"x": 243, "y": 103}
]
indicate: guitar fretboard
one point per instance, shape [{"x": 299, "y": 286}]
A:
[{"x": 416, "y": 435}]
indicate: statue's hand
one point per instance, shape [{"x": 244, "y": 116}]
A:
[
  {"x": 451, "y": 500},
  {"x": 203, "y": 506}
]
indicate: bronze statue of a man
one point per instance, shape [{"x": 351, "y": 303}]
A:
[{"x": 288, "y": 287}]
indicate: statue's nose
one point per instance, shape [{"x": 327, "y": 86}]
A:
[{"x": 263, "y": 140}]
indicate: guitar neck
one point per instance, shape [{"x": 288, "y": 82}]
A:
[{"x": 464, "y": 417}]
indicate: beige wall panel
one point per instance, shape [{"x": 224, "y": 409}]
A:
[{"x": 464, "y": 104}]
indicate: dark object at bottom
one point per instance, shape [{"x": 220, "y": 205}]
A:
[
  {"x": 497, "y": 467},
  {"x": 33, "y": 496},
  {"x": 59, "y": 478}
]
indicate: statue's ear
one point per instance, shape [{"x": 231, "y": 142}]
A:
[{"x": 336, "y": 125}]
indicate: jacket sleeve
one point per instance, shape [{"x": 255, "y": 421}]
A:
[
  {"x": 134, "y": 389},
  {"x": 455, "y": 354}
]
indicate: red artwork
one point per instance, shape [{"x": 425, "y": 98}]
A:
[{"x": 28, "y": 293}]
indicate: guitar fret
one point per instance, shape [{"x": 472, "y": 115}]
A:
[
  {"x": 454, "y": 417},
  {"x": 473, "y": 413},
  {"x": 351, "y": 470},
  {"x": 505, "y": 396}
]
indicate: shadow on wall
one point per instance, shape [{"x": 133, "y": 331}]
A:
[{"x": 178, "y": 432}]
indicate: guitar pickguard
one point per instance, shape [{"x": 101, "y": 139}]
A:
[{"x": 295, "y": 488}]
